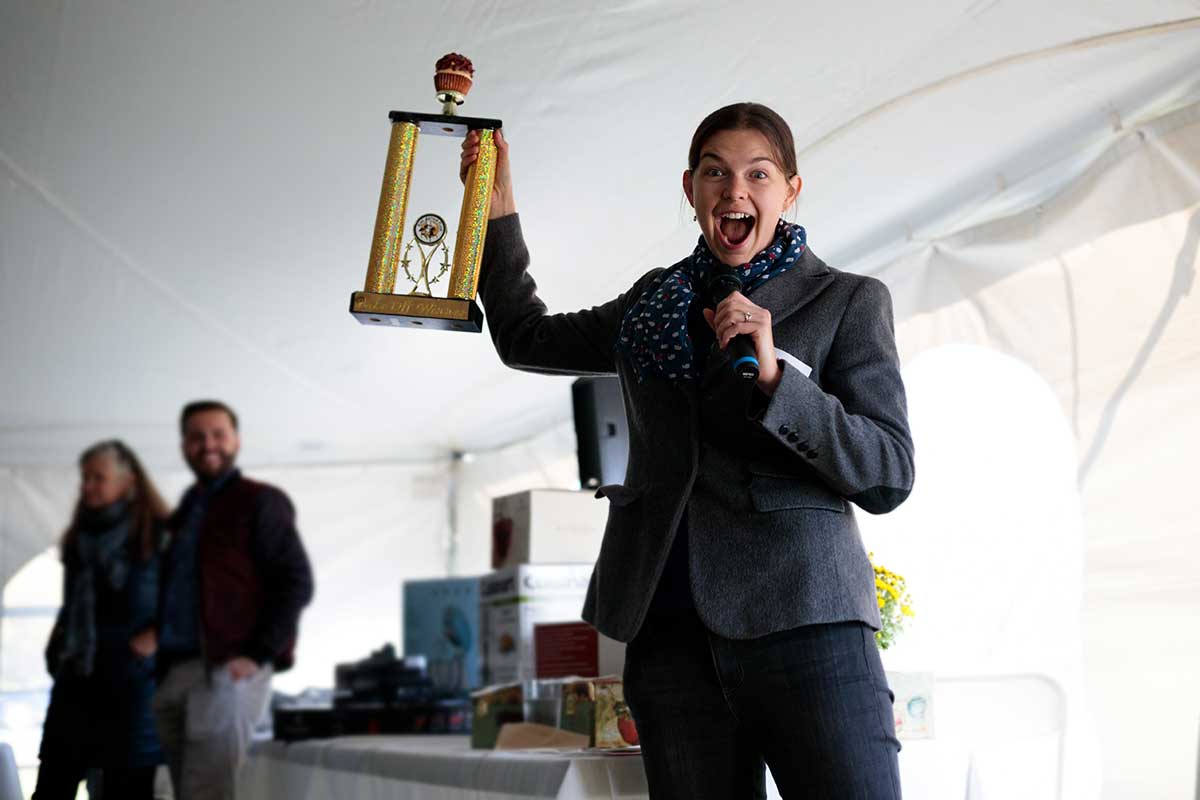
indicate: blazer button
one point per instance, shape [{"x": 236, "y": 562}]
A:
[
  {"x": 802, "y": 446},
  {"x": 784, "y": 430},
  {"x": 812, "y": 454},
  {"x": 792, "y": 437}
]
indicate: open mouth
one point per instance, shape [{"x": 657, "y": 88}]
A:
[{"x": 734, "y": 228}]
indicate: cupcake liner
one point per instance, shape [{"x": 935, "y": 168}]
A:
[{"x": 452, "y": 81}]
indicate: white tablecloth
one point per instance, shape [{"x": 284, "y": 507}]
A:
[
  {"x": 430, "y": 768},
  {"x": 446, "y": 768}
]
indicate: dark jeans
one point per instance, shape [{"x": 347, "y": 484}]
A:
[
  {"x": 59, "y": 780},
  {"x": 812, "y": 702}
]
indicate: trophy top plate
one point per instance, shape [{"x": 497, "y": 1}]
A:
[{"x": 445, "y": 125}]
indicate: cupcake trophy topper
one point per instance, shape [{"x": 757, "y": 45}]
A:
[
  {"x": 453, "y": 80},
  {"x": 377, "y": 304}
]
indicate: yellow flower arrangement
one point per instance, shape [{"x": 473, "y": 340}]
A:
[{"x": 894, "y": 604}]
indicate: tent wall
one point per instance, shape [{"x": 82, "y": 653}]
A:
[{"x": 1094, "y": 290}]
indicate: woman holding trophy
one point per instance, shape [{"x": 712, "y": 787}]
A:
[{"x": 764, "y": 397}]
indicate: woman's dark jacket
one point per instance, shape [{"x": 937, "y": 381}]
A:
[
  {"x": 253, "y": 575},
  {"x": 772, "y": 539},
  {"x": 105, "y": 719}
]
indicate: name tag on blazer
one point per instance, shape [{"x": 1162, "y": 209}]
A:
[{"x": 788, "y": 358}]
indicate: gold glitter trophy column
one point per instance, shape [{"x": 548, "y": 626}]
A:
[{"x": 377, "y": 304}]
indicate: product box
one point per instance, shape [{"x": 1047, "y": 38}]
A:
[
  {"x": 441, "y": 622},
  {"x": 547, "y": 526},
  {"x": 575, "y": 650},
  {"x": 597, "y": 709},
  {"x": 515, "y": 599},
  {"x": 913, "y": 705},
  {"x": 492, "y": 707}
]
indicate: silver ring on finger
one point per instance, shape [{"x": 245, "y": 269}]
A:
[{"x": 747, "y": 315}]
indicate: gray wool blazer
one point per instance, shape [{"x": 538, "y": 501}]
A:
[{"x": 773, "y": 543}]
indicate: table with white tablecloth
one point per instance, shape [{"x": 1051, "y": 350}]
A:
[{"x": 446, "y": 768}]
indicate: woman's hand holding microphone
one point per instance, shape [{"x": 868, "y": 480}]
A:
[{"x": 736, "y": 315}]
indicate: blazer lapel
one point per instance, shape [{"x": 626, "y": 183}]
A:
[
  {"x": 786, "y": 294},
  {"x": 783, "y": 296}
]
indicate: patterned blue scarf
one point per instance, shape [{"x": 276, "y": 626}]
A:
[
  {"x": 100, "y": 559},
  {"x": 654, "y": 332}
]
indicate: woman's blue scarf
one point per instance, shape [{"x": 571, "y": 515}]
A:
[
  {"x": 654, "y": 332},
  {"x": 100, "y": 558}
]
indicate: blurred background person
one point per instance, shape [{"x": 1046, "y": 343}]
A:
[
  {"x": 101, "y": 650},
  {"x": 235, "y": 579}
]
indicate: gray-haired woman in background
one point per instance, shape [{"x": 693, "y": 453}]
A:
[{"x": 101, "y": 651}]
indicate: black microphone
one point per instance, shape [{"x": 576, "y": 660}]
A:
[{"x": 742, "y": 354}]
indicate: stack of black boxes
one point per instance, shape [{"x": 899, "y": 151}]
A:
[{"x": 378, "y": 694}]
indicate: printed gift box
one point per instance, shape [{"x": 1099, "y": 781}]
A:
[
  {"x": 441, "y": 622},
  {"x": 597, "y": 709},
  {"x": 492, "y": 707}
]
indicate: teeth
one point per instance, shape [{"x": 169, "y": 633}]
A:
[{"x": 735, "y": 215}]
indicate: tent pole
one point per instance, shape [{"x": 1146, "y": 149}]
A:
[{"x": 456, "y": 462}]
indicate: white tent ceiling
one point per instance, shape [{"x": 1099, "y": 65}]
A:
[{"x": 189, "y": 190}]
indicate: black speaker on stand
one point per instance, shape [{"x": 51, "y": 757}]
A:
[{"x": 601, "y": 431}]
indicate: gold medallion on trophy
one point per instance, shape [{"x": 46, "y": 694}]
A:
[
  {"x": 378, "y": 304},
  {"x": 428, "y": 231}
]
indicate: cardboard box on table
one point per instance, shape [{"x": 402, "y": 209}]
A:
[
  {"x": 575, "y": 649},
  {"x": 547, "y": 526},
  {"x": 441, "y": 622},
  {"x": 515, "y": 599}
]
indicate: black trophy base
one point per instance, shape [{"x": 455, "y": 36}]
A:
[{"x": 413, "y": 311}]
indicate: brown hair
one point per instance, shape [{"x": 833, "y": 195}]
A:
[
  {"x": 147, "y": 507},
  {"x": 748, "y": 116},
  {"x": 199, "y": 406}
]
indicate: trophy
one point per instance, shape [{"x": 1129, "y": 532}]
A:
[{"x": 425, "y": 259}]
